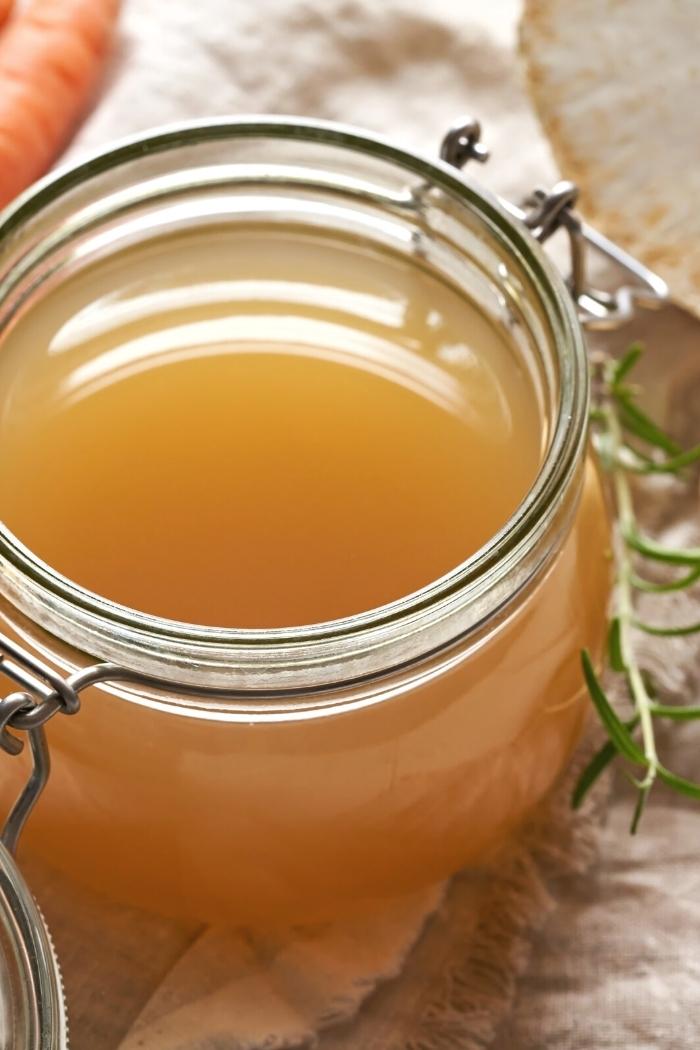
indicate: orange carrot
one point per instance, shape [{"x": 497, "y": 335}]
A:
[
  {"x": 51, "y": 56},
  {"x": 5, "y": 8}
]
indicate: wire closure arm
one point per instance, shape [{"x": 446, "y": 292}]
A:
[
  {"x": 41, "y": 767},
  {"x": 545, "y": 212},
  {"x": 45, "y": 694}
]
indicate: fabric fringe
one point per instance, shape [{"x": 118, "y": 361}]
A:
[{"x": 479, "y": 989}]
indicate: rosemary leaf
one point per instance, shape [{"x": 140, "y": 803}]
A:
[
  {"x": 669, "y": 466},
  {"x": 658, "y": 551},
  {"x": 678, "y": 712},
  {"x": 666, "y": 632},
  {"x": 685, "y": 787},
  {"x": 637, "y": 422},
  {"x": 617, "y": 731},
  {"x": 625, "y": 365},
  {"x": 595, "y": 768},
  {"x": 639, "y": 808},
  {"x": 665, "y": 588},
  {"x": 615, "y": 647}
]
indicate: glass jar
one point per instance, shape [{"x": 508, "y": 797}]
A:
[{"x": 296, "y": 774}]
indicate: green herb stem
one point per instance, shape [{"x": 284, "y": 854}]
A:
[
  {"x": 625, "y": 613},
  {"x": 616, "y": 419}
]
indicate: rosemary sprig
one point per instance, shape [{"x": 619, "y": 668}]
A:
[{"x": 630, "y": 442}]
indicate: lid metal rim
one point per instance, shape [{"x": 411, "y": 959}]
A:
[{"x": 34, "y": 960}]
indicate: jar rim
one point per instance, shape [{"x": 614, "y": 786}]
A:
[{"x": 558, "y": 465}]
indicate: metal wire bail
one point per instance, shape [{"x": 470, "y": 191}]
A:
[
  {"x": 462, "y": 143},
  {"x": 41, "y": 767},
  {"x": 544, "y": 212},
  {"x": 44, "y": 694}
]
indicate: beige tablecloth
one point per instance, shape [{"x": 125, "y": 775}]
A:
[{"x": 617, "y": 964}]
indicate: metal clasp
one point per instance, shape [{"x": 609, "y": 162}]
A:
[
  {"x": 41, "y": 767},
  {"x": 44, "y": 694},
  {"x": 546, "y": 212}
]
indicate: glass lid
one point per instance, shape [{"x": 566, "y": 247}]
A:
[{"x": 32, "y": 1012}]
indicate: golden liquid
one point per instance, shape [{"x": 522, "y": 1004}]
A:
[
  {"x": 254, "y": 432},
  {"x": 260, "y": 430}
]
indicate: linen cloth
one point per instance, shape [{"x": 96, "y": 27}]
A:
[{"x": 618, "y": 963}]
